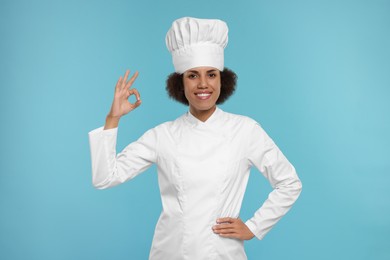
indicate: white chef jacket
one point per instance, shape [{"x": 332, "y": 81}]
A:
[{"x": 203, "y": 170}]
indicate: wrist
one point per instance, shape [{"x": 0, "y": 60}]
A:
[
  {"x": 111, "y": 122},
  {"x": 111, "y": 117}
]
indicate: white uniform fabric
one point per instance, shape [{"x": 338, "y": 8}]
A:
[{"x": 203, "y": 169}]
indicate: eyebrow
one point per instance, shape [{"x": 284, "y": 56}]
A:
[{"x": 197, "y": 72}]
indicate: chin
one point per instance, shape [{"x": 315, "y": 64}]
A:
[{"x": 204, "y": 108}]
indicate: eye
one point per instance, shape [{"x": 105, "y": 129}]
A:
[
  {"x": 192, "y": 76},
  {"x": 212, "y": 75}
]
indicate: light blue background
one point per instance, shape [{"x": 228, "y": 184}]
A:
[{"x": 315, "y": 74}]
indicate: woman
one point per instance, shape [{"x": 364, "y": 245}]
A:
[{"x": 203, "y": 157}]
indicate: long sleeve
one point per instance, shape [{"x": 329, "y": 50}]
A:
[
  {"x": 108, "y": 167},
  {"x": 270, "y": 161}
]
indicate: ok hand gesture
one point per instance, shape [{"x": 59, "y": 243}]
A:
[{"x": 121, "y": 104}]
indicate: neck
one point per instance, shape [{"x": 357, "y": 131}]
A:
[{"x": 202, "y": 115}]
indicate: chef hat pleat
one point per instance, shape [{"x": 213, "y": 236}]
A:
[{"x": 197, "y": 42}]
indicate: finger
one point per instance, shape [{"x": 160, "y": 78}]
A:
[
  {"x": 225, "y": 220},
  {"x": 124, "y": 79},
  {"x": 137, "y": 104},
  {"x": 231, "y": 235},
  {"x": 126, "y": 75},
  {"x": 132, "y": 79},
  {"x": 222, "y": 226},
  {"x": 118, "y": 83},
  {"x": 135, "y": 92},
  {"x": 226, "y": 231}
]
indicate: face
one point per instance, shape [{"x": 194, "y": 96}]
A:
[{"x": 202, "y": 86}]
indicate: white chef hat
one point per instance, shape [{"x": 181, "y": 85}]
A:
[{"x": 197, "y": 42}]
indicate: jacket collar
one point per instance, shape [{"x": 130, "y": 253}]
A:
[{"x": 212, "y": 120}]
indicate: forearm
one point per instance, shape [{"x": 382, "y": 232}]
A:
[
  {"x": 109, "y": 168},
  {"x": 103, "y": 156},
  {"x": 111, "y": 122},
  {"x": 278, "y": 203}
]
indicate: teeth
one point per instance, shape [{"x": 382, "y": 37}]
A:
[{"x": 203, "y": 94}]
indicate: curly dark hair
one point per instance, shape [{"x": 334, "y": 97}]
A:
[{"x": 175, "y": 86}]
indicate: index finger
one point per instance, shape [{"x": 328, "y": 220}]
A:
[{"x": 225, "y": 220}]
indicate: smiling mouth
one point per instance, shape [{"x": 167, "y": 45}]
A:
[{"x": 203, "y": 94}]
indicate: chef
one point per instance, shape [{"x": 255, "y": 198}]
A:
[{"x": 203, "y": 157}]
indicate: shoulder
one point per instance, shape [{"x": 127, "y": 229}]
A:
[
  {"x": 239, "y": 120},
  {"x": 168, "y": 126},
  {"x": 243, "y": 126}
]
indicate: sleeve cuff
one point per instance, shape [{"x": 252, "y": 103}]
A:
[
  {"x": 100, "y": 130},
  {"x": 252, "y": 227}
]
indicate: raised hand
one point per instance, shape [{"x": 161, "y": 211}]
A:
[
  {"x": 121, "y": 104},
  {"x": 232, "y": 228}
]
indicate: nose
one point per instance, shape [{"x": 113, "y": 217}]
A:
[{"x": 202, "y": 82}]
